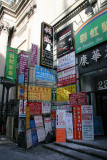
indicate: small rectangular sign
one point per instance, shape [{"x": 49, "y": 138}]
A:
[{"x": 60, "y": 134}]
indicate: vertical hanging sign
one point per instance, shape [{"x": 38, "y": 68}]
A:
[
  {"x": 34, "y": 54},
  {"x": 47, "y": 40},
  {"x": 27, "y": 117},
  {"x": 11, "y": 63}
]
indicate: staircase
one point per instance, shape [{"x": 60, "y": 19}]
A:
[{"x": 80, "y": 150}]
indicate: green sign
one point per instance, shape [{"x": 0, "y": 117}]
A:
[
  {"x": 11, "y": 63},
  {"x": 53, "y": 94},
  {"x": 92, "y": 32}
]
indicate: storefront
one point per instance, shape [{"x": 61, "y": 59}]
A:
[{"x": 91, "y": 50}]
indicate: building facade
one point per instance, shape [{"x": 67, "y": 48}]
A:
[{"x": 20, "y": 26}]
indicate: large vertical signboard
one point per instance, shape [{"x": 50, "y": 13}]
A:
[
  {"x": 92, "y": 32},
  {"x": 65, "y": 41},
  {"x": 23, "y": 64},
  {"x": 47, "y": 40},
  {"x": 11, "y": 63},
  {"x": 34, "y": 54}
]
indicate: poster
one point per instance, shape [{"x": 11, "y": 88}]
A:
[
  {"x": 38, "y": 121},
  {"x": 35, "y": 108},
  {"x": 46, "y": 107},
  {"x": 69, "y": 125},
  {"x": 23, "y": 63},
  {"x": 77, "y": 123},
  {"x": 60, "y": 119},
  {"x": 79, "y": 98},
  {"x": 63, "y": 93},
  {"x": 45, "y": 74},
  {"x": 87, "y": 122},
  {"x": 65, "y": 41},
  {"x": 60, "y": 134},
  {"x": 36, "y": 93},
  {"x": 34, "y": 54},
  {"x": 66, "y": 77},
  {"x": 47, "y": 40},
  {"x": 41, "y": 134},
  {"x": 48, "y": 127},
  {"x": 28, "y": 138},
  {"x": 66, "y": 61},
  {"x": 11, "y": 64}
]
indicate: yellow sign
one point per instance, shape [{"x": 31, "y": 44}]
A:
[
  {"x": 27, "y": 117},
  {"x": 36, "y": 93},
  {"x": 63, "y": 93}
]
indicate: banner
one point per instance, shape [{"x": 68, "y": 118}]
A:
[
  {"x": 36, "y": 93},
  {"x": 47, "y": 40},
  {"x": 27, "y": 117},
  {"x": 63, "y": 93},
  {"x": 11, "y": 63},
  {"x": 45, "y": 74},
  {"x": 65, "y": 41},
  {"x": 46, "y": 108},
  {"x": 23, "y": 63},
  {"x": 66, "y": 77},
  {"x": 66, "y": 61},
  {"x": 87, "y": 122},
  {"x": 34, "y": 54},
  {"x": 92, "y": 32}
]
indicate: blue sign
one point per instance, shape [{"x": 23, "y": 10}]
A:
[
  {"x": 45, "y": 74},
  {"x": 21, "y": 79},
  {"x": 34, "y": 133},
  {"x": 98, "y": 126}
]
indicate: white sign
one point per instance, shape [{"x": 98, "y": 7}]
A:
[
  {"x": 38, "y": 121},
  {"x": 60, "y": 119},
  {"x": 41, "y": 134},
  {"x": 28, "y": 138},
  {"x": 46, "y": 107},
  {"x": 87, "y": 122},
  {"x": 66, "y": 61},
  {"x": 21, "y": 112},
  {"x": 69, "y": 125},
  {"x": 102, "y": 85}
]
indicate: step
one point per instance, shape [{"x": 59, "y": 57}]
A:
[
  {"x": 84, "y": 149},
  {"x": 70, "y": 153},
  {"x": 93, "y": 144}
]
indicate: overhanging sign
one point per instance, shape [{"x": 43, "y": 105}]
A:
[{"x": 92, "y": 32}]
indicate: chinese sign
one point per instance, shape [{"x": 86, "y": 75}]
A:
[
  {"x": 65, "y": 41},
  {"x": 69, "y": 125},
  {"x": 27, "y": 117},
  {"x": 87, "y": 122},
  {"x": 34, "y": 54},
  {"x": 60, "y": 119},
  {"x": 46, "y": 107},
  {"x": 93, "y": 59},
  {"x": 28, "y": 138},
  {"x": 60, "y": 134},
  {"x": 53, "y": 94},
  {"x": 22, "y": 109},
  {"x": 38, "y": 121},
  {"x": 36, "y": 93},
  {"x": 45, "y": 74},
  {"x": 63, "y": 93},
  {"x": 77, "y": 122},
  {"x": 66, "y": 77},
  {"x": 47, "y": 122},
  {"x": 35, "y": 108},
  {"x": 92, "y": 32},
  {"x": 66, "y": 61},
  {"x": 41, "y": 134},
  {"x": 34, "y": 133},
  {"x": 47, "y": 40},
  {"x": 11, "y": 63},
  {"x": 23, "y": 63},
  {"x": 77, "y": 99}
]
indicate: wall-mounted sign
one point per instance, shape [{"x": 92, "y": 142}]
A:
[
  {"x": 66, "y": 61},
  {"x": 63, "y": 93},
  {"x": 47, "y": 40},
  {"x": 11, "y": 63},
  {"x": 35, "y": 108},
  {"x": 98, "y": 126},
  {"x": 60, "y": 119},
  {"x": 23, "y": 63},
  {"x": 53, "y": 94},
  {"x": 66, "y": 77},
  {"x": 69, "y": 125},
  {"x": 34, "y": 54},
  {"x": 102, "y": 84},
  {"x": 46, "y": 107},
  {"x": 60, "y": 134},
  {"x": 45, "y": 74},
  {"x": 92, "y": 32},
  {"x": 65, "y": 41},
  {"x": 38, "y": 121},
  {"x": 93, "y": 59},
  {"x": 36, "y": 93}
]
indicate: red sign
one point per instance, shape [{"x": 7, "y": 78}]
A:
[
  {"x": 53, "y": 114},
  {"x": 77, "y": 122},
  {"x": 61, "y": 135},
  {"x": 65, "y": 77},
  {"x": 77, "y": 99},
  {"x": 35, "y": 108}
]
